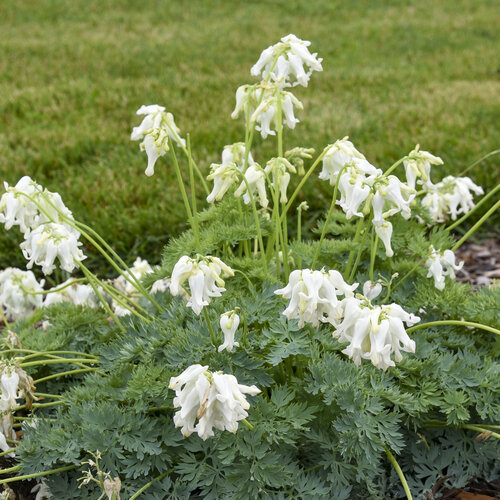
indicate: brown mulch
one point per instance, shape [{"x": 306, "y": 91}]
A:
[
  {"x": 481, "y": 262},
  {"x": 476, "y": 489}
]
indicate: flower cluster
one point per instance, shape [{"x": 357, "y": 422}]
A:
[
  {"x": 155, "y": 131},
  {"x": 284, "y": 62},
  {"x": 215, "y": 399},
  {"x": 50, "y": 241},
  {"x": 360, "y": 182},
  {"x": 450, "y": 197},
  {"x": 255, "y": 179},
  {"x": 441, "y": 264},
  {"x": 20, "y": 293},
  {"x": 314, "y": 296},
  {"x": 225, "y": 174},
  {"x": 47, "y": 224},
  {"x": 72, "y": 292},
  {"x": 280, "y": 169},
  {"x": 418, "y": 165},
  {"x": 280, "y": 65},
  {"x": 262, "y": 103},
  {"x": 204, "y": 277},
  {"x": 374, "y": 332}
]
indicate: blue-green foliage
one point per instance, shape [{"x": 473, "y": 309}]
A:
[{"x": 320, "y": 424}]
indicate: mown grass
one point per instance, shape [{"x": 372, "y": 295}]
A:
[{"x": 72, "y": 75}]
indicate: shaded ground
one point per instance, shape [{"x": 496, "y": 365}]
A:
[{"x": 481, "y": 262}]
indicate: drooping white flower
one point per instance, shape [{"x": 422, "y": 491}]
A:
[
  {"x": 154, "y": 132},
  {"x": 340, "y": 153},
  {"x": 139, "y": 269},
  {"x": 9, "y": 382},
  {"x": 450, "y": 198},
  {"x": 75, "y": 293},
  {"x": 50, "y": 241},
  {"x": 42, "y": 491},
  {"x": 371, "y": 290},
  {"x": 225, "y": 174},
  {"x": 204, "y": 275},
  {"x": 215, "y": 399},
  {"x": 261, "y": 101},
  {"x": 4, "y": 446},
  {"x": 441, "y": 264},
  {"x": 383, "y": 229},
  {"x": 280, "y": 169},
  {"x": 418, "y": 165},
  {"x": 284, "y": 62},
  {"x": 28, "y": 204},
  {"x": 256, "y": 179},
  {"x": 229, "y": 322},
  {"x": 354, "y": 187},
  {"x": 19, "y": 293},
  {"x": 374, "y": 332},
  {"x": 314, "y": 296},
  {"x": 161, "y": 285}
]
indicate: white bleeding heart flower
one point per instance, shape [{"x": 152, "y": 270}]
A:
[
  {"x": 374, "y": 332},
  {"x": 215, "y": 399},
  {"x": 418, "y": 166},
  {"x": 204, "y": 275},
  {"x": 155, "y": 131},
  {"x": 50, "y": 241},
  {"x": 314, "y": 296},
  {"x": 229, "y": 322},
  {"x": 20, "y": 293},
  {"x": 440, "y": 265},
  {"x": 256, "y": 180},
  {"x": 288, "y": 62}
]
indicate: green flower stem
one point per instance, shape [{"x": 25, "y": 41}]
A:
[
  {"x": 51, "y": 356},
  {"x": 358, "y": 255},
  {"x": 285, "y": 247},
  {"x": 472, "y": 165},
  {"x": 251, "y": 286},
  {"x": 147, "y": 485},
  {"x": 187, "y": 152},
  {"x": 62, "y": 374},
  {"x": 58, "y": 361},
  {"x": 247, "y": 423},
  {"x": 257, "y": 223},
  {"x": 454, "y": 322},
  {"x": 245, "y": 327},
  {"x": 328, "y": 217},
  {"x": 160, "y": 408},
  {"x": 394, "y": 166},
  {"x": 279, "y": 124},
  {"x": 42, "y": 353},
  {"x": 40, "y": 405},
  {"x": 482, "y": 428},
  {"x": 468, "y": 214},
  {"x": 355, "y": 242},
  {"x": 210, "y": 329},
  {"x": 86, "y": 232},
  {"x": 124, "y": 301},
  {"x": 196, "y": 227},
  {"x": 58, "y": 289},
  {"x": 183, "y": 191},
  {"x": 476, "y": 226},
  {"x": 10, "y": 470},
  {"x": 277, "y": 236},
  {"x": 243, "y": 217},
  {"x": 6, "y": 452},
  {"x": 46, "y": 395},
  {"x": 405, "y": 277},
  {"x": 103, "y": 300},
  {"x": 126, "y": 271},
  {"x": 400, "y": 473},
  {"x": 299, "y": 234},
  {"x": 373, "y": 254},
  {"x": 37, "y": 474},
  {"x": 4, "y": 319},
  {"x": 303, "y": 181}
]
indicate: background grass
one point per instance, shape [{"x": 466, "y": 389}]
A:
[{"x": 73, "y": 73}]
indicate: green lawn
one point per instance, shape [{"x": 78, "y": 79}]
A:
[{"x": 73, "y": 73}]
